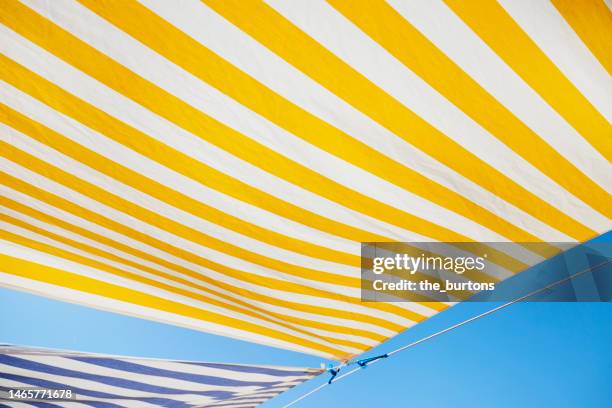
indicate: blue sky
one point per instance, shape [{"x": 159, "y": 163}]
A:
[{"x": 528, "y": 355}]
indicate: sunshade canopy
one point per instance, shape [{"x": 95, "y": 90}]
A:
[
  {"x": 86, "y": 379},
  {"x": 215, "y": 164}
]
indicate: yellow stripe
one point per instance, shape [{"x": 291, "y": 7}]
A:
[
  {"x": 243, "y": 307},
  {"x": 53, "y": 276},
  {"x": 192, "y": 56},
  {"x": 271, "y": 283},
  {"x": 592, "y": 21},
  {"x": 497, "y": 28},
  {"x": 39, "y": 246},
  {"x": 166, "y": 224},
  {"x": 279, "y": 35},
  {"x": 243, "y": 293},
  {"x": 92, "y": 117},
  {"x": 433, "y": 66},
  {"x": 162, "y": 192}
]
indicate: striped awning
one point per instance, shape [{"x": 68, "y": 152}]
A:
[
  {"x": 215, "y": 164},
  {"x": 113, "y": 381}
]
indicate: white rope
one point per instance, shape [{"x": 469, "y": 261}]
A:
[{"x": 448, "y": 329}]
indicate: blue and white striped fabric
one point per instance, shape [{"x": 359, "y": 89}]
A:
[{"x": 112, "y": 381}]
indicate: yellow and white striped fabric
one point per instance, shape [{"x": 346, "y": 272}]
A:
[{"x": 215, "y": 164}]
